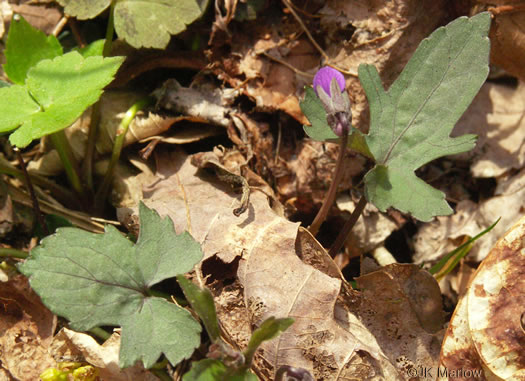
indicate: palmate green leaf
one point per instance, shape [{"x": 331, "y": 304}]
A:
[
  {"x": 26, "y": 46},
  {"x": 103, "y": 279},
  {"x": 142, "y": 23},
  {"x": 56, "y": 93},
  {"x": 411, "y": 122},
  {"x": 312, "y": 108}
]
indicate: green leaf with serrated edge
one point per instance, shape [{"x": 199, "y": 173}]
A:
[
  {"x": 201, "y": 302},
  {"x": 63, "y": 88},
  {"x": 411, "y": 122},
  {"x": 319, "y": 130},
  {"x": 164, "y": 18},
  {"x": 26, "y": 46},
  {"x": 16, "y": 107},
  {"x": 269, "y": 329},
  {"x": 84, "y": 9},
  {"x": 103, "y": 279},
  {"x": 96, "y": 48}
]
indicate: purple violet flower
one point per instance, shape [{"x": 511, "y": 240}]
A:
[
  {"x": 327, "y": 82},
  {"x": 323, "y": 78}
]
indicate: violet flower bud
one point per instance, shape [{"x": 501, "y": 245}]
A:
[
  {"x": 329, "y": 85},
  {"x": 323, "y": 78}
]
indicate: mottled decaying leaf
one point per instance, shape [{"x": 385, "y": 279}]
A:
[
  {"x": 411, "y": 122},
  {"x": 103, "y": 279},
  {"x": 26, "y": 327},
  {"x": 486, "y": 331},
  {"x": 26, "y": 46}
]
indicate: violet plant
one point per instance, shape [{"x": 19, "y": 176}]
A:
[{"x": 410, "y": 123}]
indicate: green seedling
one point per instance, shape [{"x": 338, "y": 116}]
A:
[
  {"x": 225, "y": 363},
  {"x": 410, "y": 123},
  {"x": 446, "y": 264}
]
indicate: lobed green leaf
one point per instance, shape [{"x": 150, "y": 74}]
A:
[
  {"x": 410, "y": 123},
  {"x": 62, "y": 89},
  {"x": 84, "y": 9},
  {"x": 103, "y": 279},
  {"x": 150, "y": 23}
]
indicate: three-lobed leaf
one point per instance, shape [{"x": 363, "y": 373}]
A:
[
  {"x": 411, "y": 122},
  {"x": 145, "y": 23},
  {"x": 55, "y": 94},
  {"x": 26, "y": 46},
  {"x": 103, "y": 279}
]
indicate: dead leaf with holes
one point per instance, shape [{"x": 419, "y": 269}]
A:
[
  {"x": 259, "y": 265},
  {"x": 26, "y": 331},
  {"x": 486, "y": 333}
]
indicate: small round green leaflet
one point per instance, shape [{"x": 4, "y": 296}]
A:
[{"x": 104, "y": 279}]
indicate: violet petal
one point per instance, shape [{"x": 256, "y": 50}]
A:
[{"x": 324, "y": 76}]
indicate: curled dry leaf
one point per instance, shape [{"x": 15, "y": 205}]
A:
[
  {"x": 26, "y": 330},
  {"x": 486, "y": 331},
  {"x": 259, "y": 265},
  {"x": 69, "y": 345}
]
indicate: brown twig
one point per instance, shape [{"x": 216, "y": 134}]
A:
[{"x": 36, "y": 207}]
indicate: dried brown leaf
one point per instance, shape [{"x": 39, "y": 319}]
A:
[
  {"x": 259, "y": 265},
  {"x": 26, "y": 330},
  {"x": 486, "y": 329}
]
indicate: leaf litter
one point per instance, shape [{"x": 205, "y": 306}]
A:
[
  {"x": 379, "y": 28},
  {"x": 329, "y": 336}
]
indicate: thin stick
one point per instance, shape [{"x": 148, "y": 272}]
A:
[
  {"x": 36, "y": 207},
  {"x": 312, "y": 40},
  {"x": 347, "y": 228},
  {"x": 310, "y": 37},
  {"x": 332, "y": 191}
]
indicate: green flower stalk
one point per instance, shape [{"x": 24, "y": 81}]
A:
[{"x": 329, "y": 85}]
